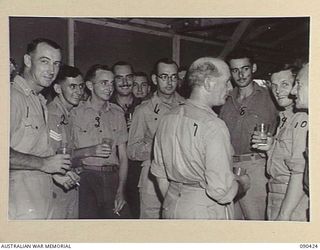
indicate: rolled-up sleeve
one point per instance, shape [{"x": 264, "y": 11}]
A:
[
  {"x": 157, "y": 166},
  {"x": 297, "y": 162},
  {"x": 221, "y": 183}
]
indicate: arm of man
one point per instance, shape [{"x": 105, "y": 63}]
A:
[
  {"x": 157, "y": 166},
  {"x": 123, "y": 171},
  {"x": 221, "y": 183},
  {"x": 59, "y": 163},
  {"x": 139, "y": 148},
  {"x": 292, "y": 198}
]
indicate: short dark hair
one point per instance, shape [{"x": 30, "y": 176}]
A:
[
  {"x": 67, "y": 71},
  {"x": 142, "y": 74},
  {"x": 121, "y": 63},
  {"x": 34, "y": 43},
  {"x": 165, "y": 61},
  {"x": 283, "y": 67},
  {"x": 200, "y": 70},
  {"x": 91, "y": 73},
  {"x": 239, "y": 54}
]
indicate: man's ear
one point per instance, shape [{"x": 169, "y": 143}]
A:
[
  {"x": 154, "y": 79},
  {"x": 57, "y": 88},
  {"x": 149, "y": 89},
  {"x": 208, "y": 84},
  {"x": 27, "y": 60},
  {"x": 89, "y": 85},
  {"x": 254, "y": 68}
]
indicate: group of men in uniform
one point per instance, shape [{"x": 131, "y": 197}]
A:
[{"x": 125, "y": 152}]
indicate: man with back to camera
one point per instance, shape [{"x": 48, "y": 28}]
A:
[
  {"x": 69, "y": 87},
  {"x": 144, "y": 124},
  {"x": 192, "y": 150},
  {"x": 248, "y": 105},
  {"x": 100, "y": 137},
  {"x": 32, "y": 159}
]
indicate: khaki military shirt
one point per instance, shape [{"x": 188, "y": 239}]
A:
[
  {"x": 286, "y": 156},
  {"x": 192, "y": 146},
  {"x": 90, "y": 126},
  {"x": 144, "y": 124},
  {"x": 28, "y": 120},
  {"x": 60, "y": 124},
  {"x": 242, "y": 118}
]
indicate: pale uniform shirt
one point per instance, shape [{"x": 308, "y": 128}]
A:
[
  {"x": 90, "y": 126},
  {"x": 192, "y": 146},
  {"x": 144, "y": 124},
  {"x": 60, "y": 131},
  {"x": 60, "y": 124},
  {"x": 286, "y": 156},
  {"x": 30, "y": 191}
]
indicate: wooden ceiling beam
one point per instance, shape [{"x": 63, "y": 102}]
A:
[{"x": 236, "y": 37}]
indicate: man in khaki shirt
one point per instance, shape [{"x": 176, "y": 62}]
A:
[
  {"x": 100, "y": 137},
  {"x": 69, "y": 87},
  {"x": 144, "y": 124},
  {"x": 192, "y": 150},
  {"x": 32, "y": 160}
]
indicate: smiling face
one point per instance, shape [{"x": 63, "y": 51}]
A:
[
  {"x": 43, "y": 65},
  {"x": 123, "y": 79},
  {"x": 281, "y": 85},
  {"x": 101, "y": 86},
  {"x": 72, "y": 89},
  {"x": 242, "y": 71}
]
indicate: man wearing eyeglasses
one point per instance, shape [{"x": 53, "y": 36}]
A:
[
  {"x": 69, "y": 87},
  {"x": 144, "y": 124},
  {"x": 100, "y": 134}
]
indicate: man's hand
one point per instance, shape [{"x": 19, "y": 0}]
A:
[
  {"x": 67, "y": 181},
  {"x": 146, "y": 163},
  {"x": 101, "y": 150},
  {"x": 119, "y": 202},
  {"x": 244, "y": 181},
  {"x": 258, "y": 143},
  {"x": 59, "y": 163}
]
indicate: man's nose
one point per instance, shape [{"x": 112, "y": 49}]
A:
[{"x": 294, "y": 90}]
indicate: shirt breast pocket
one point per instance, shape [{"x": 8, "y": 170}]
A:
[
  {"x": 152, "y": 123},
  {"x": 83, "y": 136},
  {"x": 32, "y": 125},
  {"x": 30, "y": 137}
]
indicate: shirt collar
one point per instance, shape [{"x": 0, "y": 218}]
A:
[
  {"x": 105, "y": 108},
  {"x": 177, "y": 99},
  {"x": 20, "y": 83},
  {"x": 60, "y": 105},
  {"x": 201, "y": 106},
  {"x": 286, "y": 113},
  {"x": 256, "y": 88},
  {"x": 23, "y": 85}
]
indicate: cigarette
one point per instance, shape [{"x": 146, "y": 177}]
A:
[{"x": 78, "y": 184}]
